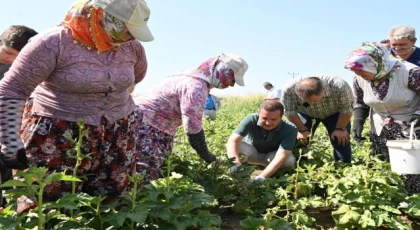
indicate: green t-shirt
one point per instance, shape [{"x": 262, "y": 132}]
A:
[{"x": 282, "y": 137}]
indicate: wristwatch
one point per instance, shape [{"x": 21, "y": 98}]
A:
[{"x": 341, "y": 129}]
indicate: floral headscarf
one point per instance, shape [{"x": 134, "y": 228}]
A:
[
  {"x": 373, "y": 58},
  {"x": 213, "y": 71},
  {"x": 93, "y": 27}
]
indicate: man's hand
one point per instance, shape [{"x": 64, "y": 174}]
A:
[
  {"x": 303, "y": 136},
  {"x": 342, "y": 137}
]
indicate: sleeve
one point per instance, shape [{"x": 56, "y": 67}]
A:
[
  {"x": 289, "y": 101},
  {"x": 192, "y": 102},
  {"x": 289, "y": 140},
  {"x": 345, "y": 99},
  {"x": 33, "y": 65},
  {"x": 278, "y": 94},
  {"x": 244, "y": 127},
  {"x": 140, "y": 67},
  {"x": 414, "y": 79},
  {"x": 358, "y": 95}
]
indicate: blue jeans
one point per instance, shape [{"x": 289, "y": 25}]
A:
[{"x": 340, "y": 152}]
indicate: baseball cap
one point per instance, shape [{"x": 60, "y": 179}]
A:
[
  {"x": 134, "y": 13},
  {"x": 237, "y": 64}
]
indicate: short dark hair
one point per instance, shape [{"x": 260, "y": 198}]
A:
[
  {"x": 385, "y": 41},
  {"x": 17, "y": 37},
  {"x": 308, "y": 87},
  {"x": 272, "y": 106},
  {"x": 267, "y": 83}
]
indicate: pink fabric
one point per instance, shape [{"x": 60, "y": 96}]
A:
[
  {"x": 73, "y": 82},
  {"x": 178, "y": 100}
]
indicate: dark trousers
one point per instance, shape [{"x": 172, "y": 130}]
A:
[
  {"x": 340, "y": 152},
  {"x": 5, "y": 175}
]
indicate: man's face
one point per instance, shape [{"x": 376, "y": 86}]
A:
[
  {"x": 403, "y": 46},
  {"x": 268, "y": 87},
  {"x": 7, "y": 54},
  {"x": 269, "y": 120}
]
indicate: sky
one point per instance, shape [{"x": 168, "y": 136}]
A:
[{"x": 276, "y": 38}]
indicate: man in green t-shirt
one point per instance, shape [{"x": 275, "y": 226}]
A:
[{"x": 265, "y": 139}]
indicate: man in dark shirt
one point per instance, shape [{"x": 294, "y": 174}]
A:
[
  {"x": 12, "y": 40},
  {"x": 265, "y": 139}
]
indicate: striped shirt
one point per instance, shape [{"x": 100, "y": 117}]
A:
[{"x": 338, "y": 98}]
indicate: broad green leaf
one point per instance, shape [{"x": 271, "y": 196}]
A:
[
  {"x": 251, "y": 223},
  {"x": 14, "y": 183},
  {"x": 139, "y": 214},
  {"x": 389, "y": 209},
  {"x": 205, "y": 219},
  {"x": 349, "y": 217}
]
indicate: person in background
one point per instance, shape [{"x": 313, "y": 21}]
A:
[
  {"x": 403, "y": 40},
  {"x": 81, "y": 69},
  {"x": 180, "y": 100},
  {"x": 326, "y": 99},
  {"x": 12, "y": 41},
  {"x": 212, "y": 105},
  {"x": 265, "y": 139},
  {"x": 391, "y": 87},
  {"x": 273, "y": 93},
  {"x": 386, "y": 43}
]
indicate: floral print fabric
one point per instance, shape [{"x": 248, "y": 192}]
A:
[
  {"x": 373, "y": 58},
  {"x": 111, "y": 144},
  {"x": 152, "y": 146},
  {"x": 178, "y": 100},
  {"x": 381, "y": 89}
]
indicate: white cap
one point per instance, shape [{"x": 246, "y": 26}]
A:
[
  {"x": 134, "y": 13},
  {"x": 237, "y": 64}
]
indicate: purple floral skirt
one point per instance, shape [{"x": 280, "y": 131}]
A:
[
  {"x": 47, "y": 143},
  {"x": 152, "y": 146}
]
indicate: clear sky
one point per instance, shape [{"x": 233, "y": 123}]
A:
[{"x": 275, "y": 37}]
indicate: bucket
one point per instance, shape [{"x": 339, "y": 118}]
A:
[{"x": 404, "y": 156}]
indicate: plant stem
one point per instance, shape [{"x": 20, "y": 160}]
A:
[{"x": 41, "y": 219}]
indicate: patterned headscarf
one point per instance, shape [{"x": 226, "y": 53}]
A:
[
  {"x": 93, "y": 27},
  {"x": 373, "y": 58},
  {"x": 213, "y": 71}
]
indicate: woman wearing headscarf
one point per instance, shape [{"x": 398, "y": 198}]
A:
[
  {"x": 391, "y": 88},
  {"x": 180, "y": 100},
  {"x": 81, "y": 69}
]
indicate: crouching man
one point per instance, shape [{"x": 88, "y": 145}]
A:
[{"x": 265, "y": 139}]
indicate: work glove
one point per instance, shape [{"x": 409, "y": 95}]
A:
[
  {"x": 12, "y": 152},
  {"x": 198, "y": 143},
  {"x": 257, "y": 178},
  {"x": 360, "y": 116},
  {"x": 234, "y": 168},
  {"x": 414, "y": 118}
]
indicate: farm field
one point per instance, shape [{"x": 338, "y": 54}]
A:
[{"x": 317, "y": 194}]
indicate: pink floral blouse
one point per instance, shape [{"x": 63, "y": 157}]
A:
[
  {"x": 70, "y": 82},
  {"x": 178, "y": 100}
]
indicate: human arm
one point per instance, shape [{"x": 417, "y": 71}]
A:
[
  {"x": 276, "y": 163},
  {"x": 360, "y": 111},
  {"x": 232, "y": 147},
  {"x": 414, "y": 84},
  {"x": 192, "y": 102},
  {"x": 34, "y": 64},
  {"x": 140, "y": 68},
  {"x": 345, "y": 103},
  {"x": 303, "y": 131}
]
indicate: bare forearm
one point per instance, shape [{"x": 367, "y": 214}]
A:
[
  {"x": 232, "y": 147},
  {"x": 276, "y": 163},
  {"x": 343, "y": 120},
  {"x": 296, "y": 120}
]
